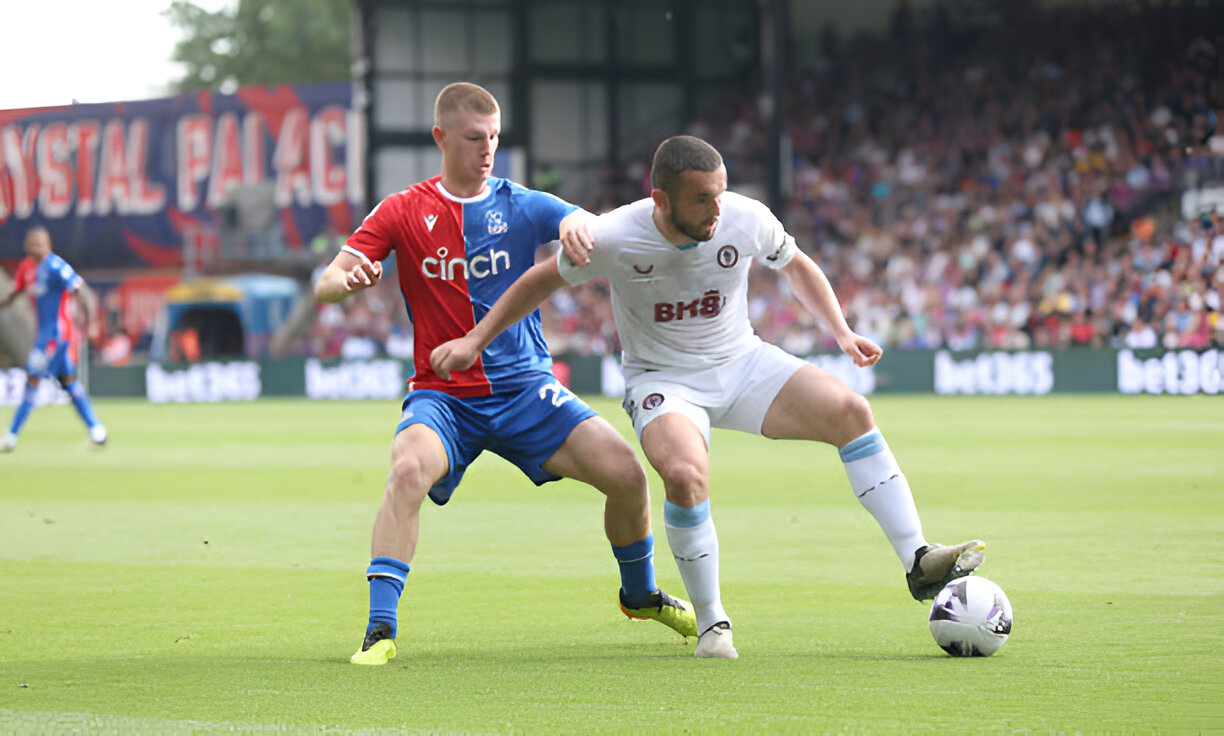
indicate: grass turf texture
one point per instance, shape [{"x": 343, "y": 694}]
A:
[{"x": 203, "y": 573}]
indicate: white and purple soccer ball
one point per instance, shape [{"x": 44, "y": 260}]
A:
[{"x": 970, "y": 617}]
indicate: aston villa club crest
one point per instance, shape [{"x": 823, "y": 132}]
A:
[
  {"x": 728, "y": 256},
  {"x": 653, "y": 401},
  {"x": 496, "y": 223}
]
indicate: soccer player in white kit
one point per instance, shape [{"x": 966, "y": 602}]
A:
[{"x": 678, "y": 266}]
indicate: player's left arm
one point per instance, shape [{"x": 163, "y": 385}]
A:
[
  {"x": 522, "y": 298},
  {"x": 809, "y": 283},
  {"x": 83, "y": 298}
]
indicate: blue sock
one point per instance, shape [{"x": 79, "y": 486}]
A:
[
  {"x": 387, "y": 576},
  {"x": 24, "y": 408},
  {"x": 81, "y": 401},
  {"x": 637, "y": 571}
]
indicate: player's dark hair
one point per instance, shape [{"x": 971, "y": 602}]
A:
[{"x": 677, "y": 155}]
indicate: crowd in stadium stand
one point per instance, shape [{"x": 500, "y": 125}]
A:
[{"x": 999, "y": 186}]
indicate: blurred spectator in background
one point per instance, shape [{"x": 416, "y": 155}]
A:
[
  {"x": 326, "y": 244},
  {"x": 117, "y": 348}
]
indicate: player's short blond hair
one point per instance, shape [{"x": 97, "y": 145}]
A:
[{"x": 464, "y": 96}]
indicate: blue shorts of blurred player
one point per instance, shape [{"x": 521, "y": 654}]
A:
[{"x": 58, "y": 364}]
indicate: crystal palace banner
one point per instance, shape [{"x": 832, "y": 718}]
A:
[{"x": 127, "y": 184}]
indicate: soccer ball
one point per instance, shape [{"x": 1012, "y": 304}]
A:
[{"x": 970, "y": 617}]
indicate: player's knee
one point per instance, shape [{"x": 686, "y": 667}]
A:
[
  {"x": 409, "y": 476},
  {"x": 686, "y": 481},
  {"x": 621, "y": 474},
  {"x": 857, "y": 418},
  {"x": 631, "y": 475}
]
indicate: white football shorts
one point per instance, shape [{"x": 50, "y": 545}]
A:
[{"x": 734, "y": 395}]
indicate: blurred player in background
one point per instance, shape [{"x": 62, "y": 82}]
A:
[
  {"x": 53, "y": 284},
  {"x": 459, "y": 240},
  {"x": 678, "y": 264}
]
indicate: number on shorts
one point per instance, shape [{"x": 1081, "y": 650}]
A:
[{"x": 560, "y": 394}]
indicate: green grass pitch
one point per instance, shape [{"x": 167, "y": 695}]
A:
[{"x": 203, "y": 574}]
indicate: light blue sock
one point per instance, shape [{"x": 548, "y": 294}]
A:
[
  {"x": 683, "y": 518},
  {"x": 24, "y": 408},
  {"x": 81, "y": 401},
  {"x": 637, "y": 571},
  {"x": 387, "y": 576}
]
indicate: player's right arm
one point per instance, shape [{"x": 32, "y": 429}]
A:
[
  {"x": 358, "y": 265},
  {"x": 576, "y": 238},
  {"x": 349, "y": 272},
  {"x": 523, "y": 297}
]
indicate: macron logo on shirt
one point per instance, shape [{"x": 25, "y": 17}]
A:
[{"x": 429, "y": 221}]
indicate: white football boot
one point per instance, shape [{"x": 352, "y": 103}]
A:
[
  {"x": 97, "y": 435},
  {"x": 716, "y": 643}
]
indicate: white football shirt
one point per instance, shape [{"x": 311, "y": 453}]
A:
[{"x": 682, "y": 306}]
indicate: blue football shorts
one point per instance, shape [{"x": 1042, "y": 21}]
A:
[
  {"x": 525, "y": 427},
  {"x": 58, "y": 363}
]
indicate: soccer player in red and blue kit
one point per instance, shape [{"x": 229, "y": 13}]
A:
[
  {"x": 460, "y": 239},
  {"x": 52, "y": 283}
]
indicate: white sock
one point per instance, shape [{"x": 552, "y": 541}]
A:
[
  {"x": 694, "y": 544},
  {"x": 881, "y": 487}
]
